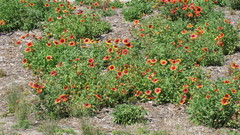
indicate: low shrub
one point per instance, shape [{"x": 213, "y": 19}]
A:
[
  {"x": 79, "y": 25},
  {"x": 23, "y": 15},
  {"x": 234, "y": 4},
  {"x": 204, "y": 43},
  {"x": 128, "y": 114},
  {"x": 136, "y": 11},
  {"x": 216, "y": 104}
]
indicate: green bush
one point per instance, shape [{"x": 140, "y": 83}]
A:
[
  {"x": 235, "y": 4},
  {"x": 128, "y": 114},
  {"x": 78, "y": 25},
  {"x": 136, "y": 11},
  {"x": 22, "y": 15},
  {"x": 216, "y": 104},
  {"x": 204, "y": 43}
]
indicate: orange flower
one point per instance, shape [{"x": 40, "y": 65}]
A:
[
  {"x": 113, "y": 89},
  {"x": 50, "y": 19},
  {"x": 227, "y": 96},
  {"x": 72, "y": 43},
  {"x": 39, "y": 90},
  {"x": 117, "y": 40},
  {"x": 49, "y": 58},
  {"x": 91, "y": 60},
  {"x": 2, "y": 22},
  {"x": 125, "y": 52},
  {"x": 234, "y": 66},
  {"x": 157, "y": 90},
  {"x": 224, "y": 101},
  {"x": 98, "y": 96},
  {"x": 27, "y": 49},
  {"x": 199, "y": 86},
  {"x": 29, "y": 44},
  {"x": 234, "y": 91},
  {"x": 86, "y": 105},
  {"x": 208, "y": 96},
  {"x": 173, "y": 68},
  {"x": 31, "y": 4},
  {"x": 135, "y": 22},
  {"x": 148, "y": 92},
  {"x": 53, "y": 73},
  {"x": 106, "y": 57},
  {"x": 193, "y": 36},
  {"x": 155, "y": 80},
  {"x": 125, "y": 41},
  {"x": 184, "y": 31},
  {"x": 86, "y": 40},
  {"x": 57, "y": 100},
  {"x": 163, "y": 62},
  {"x": 190, "y": 25},
  {"x": 153, "y": 60},
  {"x": 185, "y": 90},
  {"x": 111, "y": 67},
  {"x": 18, "y": 42},
  {"x": 138, "y": 93},
  {"x": 182, "y": 101},
  {"x": 205, "y": 49},
  {"x": 226, "y": 82},
  {"x": 46, "y": 5},
  {"x": 62, "y": 40},
  {"x": 24, "y": 61}
]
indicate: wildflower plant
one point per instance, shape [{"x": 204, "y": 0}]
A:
[
  {"x": 128, "y": 114},
  {"x": 217, "y": 104}
]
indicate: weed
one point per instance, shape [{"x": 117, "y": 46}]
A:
[{"x": 3, "y": 73}]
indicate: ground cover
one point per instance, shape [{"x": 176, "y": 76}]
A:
[{"x": 77, "y": 80}]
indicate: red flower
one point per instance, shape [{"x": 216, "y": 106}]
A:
[
  {"x": 106, "y": 57},
  {"x": 86, "y": 40},
  {"x": 234, "y": 91},
  {"x": 199, "y": 86},
  {"x": 235, "y": 66},
  {"x": 208, "y": 96},
  {"x": 72, "y": 43},
  {"x": 226, "y": 82},
  {"x": 111, "y": 67},
  {"x": 62, "y": 40},
  {"x": 27, "y": 49},
  {"x": 125, "y": 52},
  {"x": 224, "y": 101},
  {"x": 173, "y": 68},
  {"x": 185, "y": 90},
  {"x": 138, "y": 93},
  {"x": 29, "y": 44},
  {"x": 53, "y": 73},
  {"x": 18, "y": 42},
  {"x": 155, "y": 80},
  {"x": 65, "y": 87},
  {"x": 205, "y": 49},
  {"x": 117, "y": 40},
  {"x": 57, "y": 100},
  {"x": 91, "y": 60},
  {"x": 24, "y": 61},
  {"x": 163, "y": 62},
  {"x": 193, "y": 36},
  {"x": 125, "y": 41},
  {"x": 148, "y": 92},
  {"x": 86, "y": 105},
  {"x": 157, "y": 90},
  {"x": 150, "y": 26},
  {"x": 98, "y": 96},
  {"x": 227, "y": 96},
  {"x": 135, "y": 22},
  {"x": 91, "y": 65},
  {"x": 49, "y": 58},
  {"x": 120, "y": 74},
  {"x": 113, "y": 89},
  {"x": 182, "y": 101}
]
